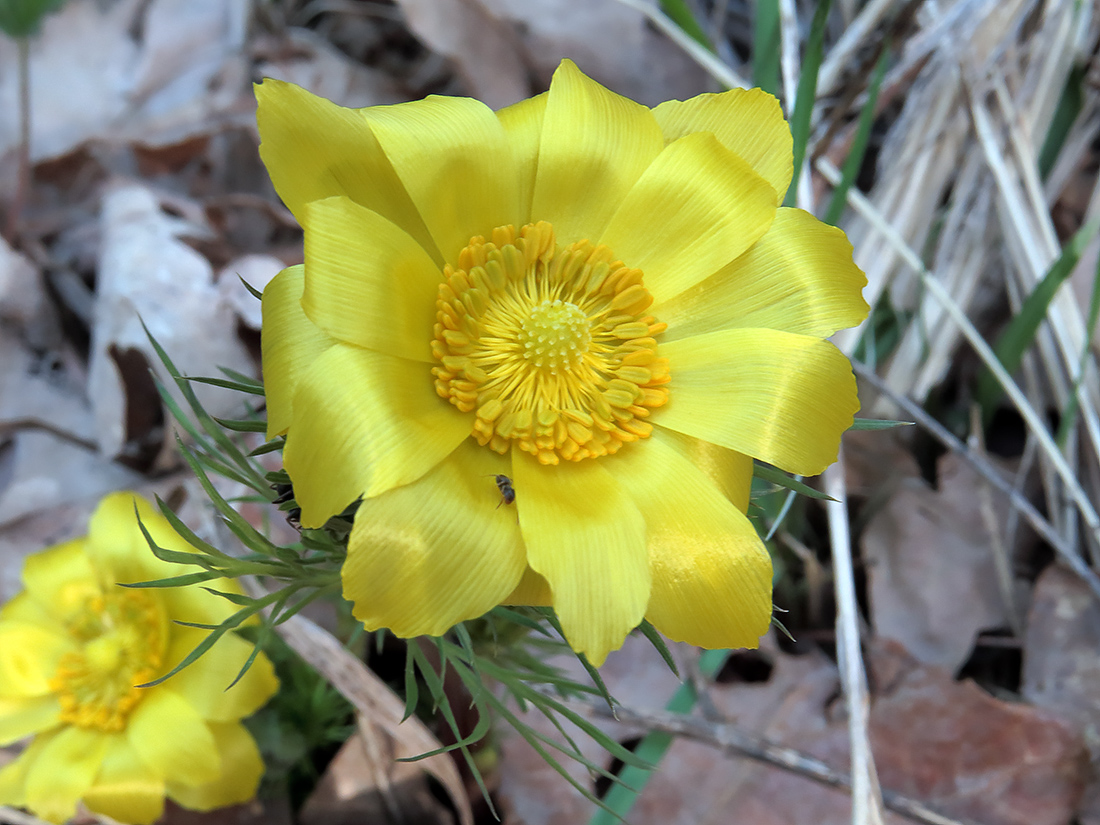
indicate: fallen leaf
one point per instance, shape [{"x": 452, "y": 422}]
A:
[
  {"x": 150, "y": 70},
  {"x": 346, "y": 794},
  {"x": 1061, "y": 665},
  {"x": 308, "y": 60},
  {"x": 482, "y": 48},
  {"x": 931, "y": 569},
  {"x": 610, "y": 42},
  {"x": 147, "y": 275}
]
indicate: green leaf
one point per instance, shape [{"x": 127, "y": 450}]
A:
[
  {"x": 781, "y": 479},
  {"x": 878, "y": 424},
  {"x": 181, "y": 580},
  {"x": 650, "y": 632},
  {"x": 678, "y": 12},
  {"x": 765, "y": 47},
  {"x": 804, "y": 97},
  {"x": 187, "y": 534},
  {"x": 1019, "y": 335},
  {"x": 226, "y": 447},
  {"x": 1066, "y": 111},
  {"x": 854, "y": 162},
  {"x": 274, "y": 445},
  {"x": 255, "y": 292},
  {"x": 21, "y": 18},
  {"x": 1069, "y": 414},
  {"x": 251, "y": 388},
  {"x": 240, "y": 425},
  {"x": 238, "y": 599}
]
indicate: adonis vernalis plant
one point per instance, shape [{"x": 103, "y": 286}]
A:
[
  {"x": 593, "y": 307},
  {"x": 75, "y": 648}
]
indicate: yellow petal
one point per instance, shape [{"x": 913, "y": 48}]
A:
[
  {"x": 729, "y": 471},
  {"x": 172, "y": 739},
  {"x": 798, "y": 278},
  {"x": 776, "y": 396},
  {"x": 23, "y": 717},
  {"x": 595, "y": 146},
  {"x": 117, "y": 547},
  {"x": 121, "y": 554},
  {"x": 367, "y": 282},
  {"x": 62, "y": 772},
  {"x": 436, "y": 552},
  {"x": 522, "y": 124},
  {"x": 13, "y": 776},
  {"x": 239, "y": 778},
  {"x": 696, "y": 208},
  {"x": 126, "y": 789},
  {"x": 364, "y": 423},
  {"x": 453, "y": 158},
  {"x": 314, "y": 149},
  {"x": 205, "y": 681},
  {"x": 532, "y": 590},
  {"x": 712, "y": 582},
  {"x": 25, "y": 608},
  {"x": 747, "y": 121},
  {"x": 585, "y": 536},
  {"x": 29, "y": 656},
  {"x": 60, "y": 578},
  {"x": 290, "y": 343}
]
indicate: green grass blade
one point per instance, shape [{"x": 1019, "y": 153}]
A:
[
  {"x": 1069, "y": 414},
  {"x": 1019, "y": 335},
  {"x": 804, "y": 97},
  {"x": 1069, "y": 106},
  {"x": 678, "y": 12},
  {"x": 854, "y": 161},
  {"x": 765, "y": 46}
]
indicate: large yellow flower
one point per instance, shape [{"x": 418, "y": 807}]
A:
[
  {"x": 600, "y": 302},
  {"x": 73, "y": 646}
]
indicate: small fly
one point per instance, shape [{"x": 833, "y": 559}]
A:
[{"x": 507, "y": 491}]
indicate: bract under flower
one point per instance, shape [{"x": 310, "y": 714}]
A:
[
  {"x": 73, "y": 648},
  {"x": 601, "y": 303}
]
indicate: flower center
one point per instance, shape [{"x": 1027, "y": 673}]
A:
[
  {"x": 122, "y": 638},
  {"x": 550, "y": 348},
  {"x": 555, "y": 334}
]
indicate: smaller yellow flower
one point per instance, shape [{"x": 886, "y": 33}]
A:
[{"x": 73, "y": 647}]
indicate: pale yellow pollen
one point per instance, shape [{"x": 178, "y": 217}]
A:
[
  {"x": 121, "y": 640},
  {"x": 555, "y": 335},
  {"x": 550, "y": 348}
]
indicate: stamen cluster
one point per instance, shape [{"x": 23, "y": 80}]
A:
[
  {"x": 122, "y": 641},
  {"x": 549, "y": 348}
]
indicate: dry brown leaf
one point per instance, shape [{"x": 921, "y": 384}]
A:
[
  {"x": 47, "y": 456},
  {"x": 947, "y": 744},
  {"x": 146, "y": 273},
  {"x": 383, "y": 735},
  {"x": 955, "y": 747},
  {"x": 610, "y": 42},
  {"x": 931, "y": 569},
  {"x": 308, "y": 60},
  {"x": 1062, "y": 664},
  {"x": 481, "y": 47},
  {"x": 184, "y": 69},
  {"x": 347, "y": 796}
]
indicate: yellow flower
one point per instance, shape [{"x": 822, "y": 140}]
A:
[
  {"x": 73, "y": 646},
  {"x": 600, "y": 302}
]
